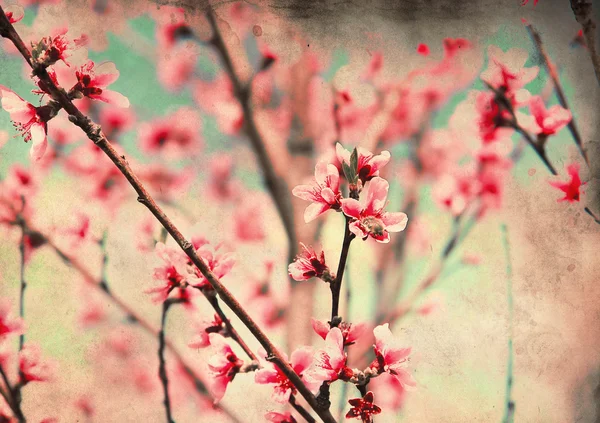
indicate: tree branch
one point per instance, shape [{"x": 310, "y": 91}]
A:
[
  {"x": 336, "y": 285},
  {"x": 275, "y": 183},
  {"x": 130, "y": 313},
  {"x": 510, "y": 405},
  {"x": 582, "y": 9},
  {"x": 162, "y": 364},
  {"x": 94, "y": 133},
  {"x": 214, "y": 302},
  {"x": 537, "y": 40}
]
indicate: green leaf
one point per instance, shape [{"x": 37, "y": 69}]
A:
[
  {"x": 350, "y": 175},
  {"x": 354, "y": 161}
]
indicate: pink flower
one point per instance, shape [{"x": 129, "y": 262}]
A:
[
  {"x": 368, "y": 164},
  {"x": 423, "y": 49},
  {"x": 14, "y": 13},
  {"x": 217, "y": 98},
  {"x": 308, "y": 264},
  {"x": 219, "y": 263},
  {"x": 115, "y": 120},
  {"x": 31, "y": 366},
  {"x": 270, "y": 374},
  {"x": 177, "y": 135},
  {"x": 172, "y": 274},
  {"x": 16, "y": 193},
  {"x": 63, "y": 132},
  {"x": 369, "y": 217},
  {"x": 92, "y": 81},
  {"x": 9, "y": 325},
  {"x": 490, "y": 117},
  {"x": 248, "y": 222},
  {"x": 80, "y": 232},
  {"x": 324, "y": 192},
  {"x": 276, "y": 417},
  {"x": 350, "y": 332},
  {"x": 29, "y": 120},
  {"x": 374, "y": 67},
  {"x": 455, "y": 191},
  {"x": 164, "y": 183},
  {"x": 363, "y": 408},
  {"x": 204, "y": 329},
  {"x": 330, "y": 362},
  {"x": 221, "y": 185},
  {"x": 391, "y": 395},
  {"x": 572, "y": 187},
  {"x": 223, "y": 365},
  {"x": 506, "y": 70},
  {"x": 548, "y": 121},
  {"x": 50, "y": 50},
  {"x": 172, "y": 27},
  {"x": 175, "y": 68},
  {"x": 390, "y": 357}
]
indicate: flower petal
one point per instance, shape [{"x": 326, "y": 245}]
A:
[
  {"x": 39, "y": 141},
  {"x": 395, "y": 222}
]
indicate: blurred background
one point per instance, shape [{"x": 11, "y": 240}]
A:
[{"x": 460, "y": 347}]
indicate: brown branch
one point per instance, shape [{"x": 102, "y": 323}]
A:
[
  {"x": 276, "y": 184},
  {"x": 214, "y": 302},
  {"x": 130, "y": 313},
  {"x": 10, "y": 396},
  {"x": 336, "y": 285},
  {"x": 583, "y": 11},
  {"x": 162, "y": 366},
  {"x": 537, "y": 40},
  {"x": 94, "y": 133},
  {"x": 301, "y": 410}
]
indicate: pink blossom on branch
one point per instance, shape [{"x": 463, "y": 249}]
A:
[
  {"x": 50, "y": 50},
  {"x": 219, "y": 263},
  {"x": 506, "y": 70},
  {"x": 300, "y": 361},
  {"x": 363, "y": 408},
  {"x": 171, "y": 274},
  {"x": 223, "y": 365},
  {"x": 324, "y": 192},
  {"x": 14, "y": 13},
  {"x": 572, "y": 187},
  {"x": 368, "y": 164},
  {"x": 308, "y": 264},
  {"x": 330, "y": 362},
  {"x": 9, "y": 325},
  {"x": 176, "y": 135},
  {"x": 350, "y": 332},
  {"x": 204, "y": 329},
  {"x": 369, "y": 218},
  {"x": 29, "y": 120},
  {"x": 390, "y": 356},
  {"x": 31, "y": 366},
  {"x": 276, "y": 417},
  {"x": 545, "y": 121},
  {"x": 93, "y": 79}
]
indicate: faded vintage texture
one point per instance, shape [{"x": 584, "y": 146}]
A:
[{"x": 460, "y": 354}]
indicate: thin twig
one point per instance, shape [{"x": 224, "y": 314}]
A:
[
  {"x": 275, "y": 183},
  {"x": 336, "y": 285},
  {"x": 301, "y": 410},
  {"x": 162, "y": 366},
  {"x": 537, "y": 40},
  {"x": 583, "y": 11},
  {"x": 131, "y": 314},
  {"x": 22, "y": 278},
  {"x": 94, "y": 133},
  {"x": 214, "y": 302},
  {"x": 10, "y": 395},
  {"x": 510, "y": 405}
]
